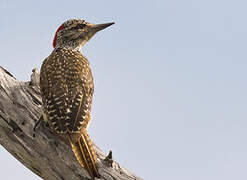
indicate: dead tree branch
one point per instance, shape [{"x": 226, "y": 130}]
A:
[{"x": 44, "y": 154}]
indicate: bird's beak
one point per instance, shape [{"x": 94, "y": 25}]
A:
[
  {"x": 92, "y": 29},
  {"x": 98, "y": 27}
]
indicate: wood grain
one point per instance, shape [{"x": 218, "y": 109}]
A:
[{"x": 44, "y": 154}]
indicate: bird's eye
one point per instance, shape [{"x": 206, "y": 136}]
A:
[{"x": 80, "y": 26}]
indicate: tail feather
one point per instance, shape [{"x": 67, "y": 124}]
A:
[{"x": 85, "y": 154}]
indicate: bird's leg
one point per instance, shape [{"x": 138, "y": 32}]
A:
[{"x": 37, "y": 124}]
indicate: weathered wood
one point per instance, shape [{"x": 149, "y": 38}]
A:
[{"x": 44, "y": 154}]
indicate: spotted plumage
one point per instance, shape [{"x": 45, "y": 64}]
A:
[
  {"x": 67, "y": 85},
  {"x": 67, "y": 88}
]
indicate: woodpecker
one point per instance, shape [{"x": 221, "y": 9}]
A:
[{"x": 67, "y": 88}]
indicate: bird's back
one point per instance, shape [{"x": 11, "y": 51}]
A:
[{"x": 67, "y": 88}]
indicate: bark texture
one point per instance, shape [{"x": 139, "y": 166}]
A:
[{"x": 44, "y": 154}]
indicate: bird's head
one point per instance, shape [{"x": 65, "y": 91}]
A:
[{"x": 74, "y": 33}]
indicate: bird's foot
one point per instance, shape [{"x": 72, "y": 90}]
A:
[{"x": 37, "y": 124}]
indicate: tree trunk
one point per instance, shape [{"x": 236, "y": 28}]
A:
[{"x": 44, "y": 154}]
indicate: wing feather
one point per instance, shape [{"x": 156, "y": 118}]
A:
[{"x": 67, "y": 90}]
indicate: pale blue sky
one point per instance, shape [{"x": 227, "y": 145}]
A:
[{"x": 170, "y": 81}]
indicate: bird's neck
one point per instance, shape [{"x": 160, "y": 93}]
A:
[
  {"x": 75, "y": 45},
  {"x": 68, "y": 47}
]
